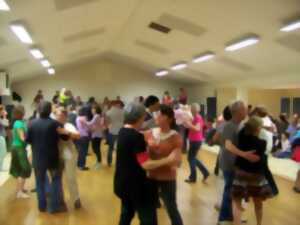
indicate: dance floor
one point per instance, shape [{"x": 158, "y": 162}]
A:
[{"x": 101, "y": 207}]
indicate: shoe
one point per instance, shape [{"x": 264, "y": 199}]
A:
[
  {"x": 217, "y": 207},
  {"x": 84, "y": 168},
  {"x": 62, "y": 208},
  {"x": 190, "y": 181},
  {"x": 205, "y": 178},
  {"x": 297, "y": 190},
  {"x": 42, "y": 210},
  {"x": 244, "y": 220},
  {"x": 77, "y": 204},
  {"x": 23, "y": 195},
  {"x": 97, "y": 166}
]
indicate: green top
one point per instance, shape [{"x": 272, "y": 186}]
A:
[{"x": 16, "y": 140}]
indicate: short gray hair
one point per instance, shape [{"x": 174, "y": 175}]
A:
[
  {"x": 133, "y": 112},
  {"x": 196, "y": 106},
  {"x": 236, "y": 106}
]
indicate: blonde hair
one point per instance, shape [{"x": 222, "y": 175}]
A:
[
  {"x": 253, "y": 124},
  {"x": 196, "y": 106}
]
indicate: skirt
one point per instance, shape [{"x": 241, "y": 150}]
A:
[
  {"x": 20, "y": 166},
  {"x": 246, "y": 185}
]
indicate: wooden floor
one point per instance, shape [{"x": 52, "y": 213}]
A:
[{"x": 101, "y": 207}]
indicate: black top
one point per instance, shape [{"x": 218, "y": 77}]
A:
[
  {"x": 248, "y": 143},
  {"x": 130, "y": 180},
  {"x": 72, "y": 118},
  {"x": 42, "y": 135}
]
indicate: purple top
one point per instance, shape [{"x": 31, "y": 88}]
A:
[
  {"x": 96, "y": 125},
  {"x": 82, "y": 126}
]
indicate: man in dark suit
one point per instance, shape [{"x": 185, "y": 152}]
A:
[{"x": 43, "y": 135}]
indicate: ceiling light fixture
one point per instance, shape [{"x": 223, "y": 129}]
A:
[
  {"x": 204, "y": 57},
  {"x": 36, "y": 53},
  {"x": 21, "y": 33},
  {"x": 4, "y": 6},
  {"x": 291, "y": 26},
  {"x": 242, "y": 44},
  {"x": 179, "y": 66},
  {"x": 51, "y": 71},
  {"x": 162, "y": 73},
  {"x": 45, "y": 63}
]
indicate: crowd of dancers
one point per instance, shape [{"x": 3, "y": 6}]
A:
[{"x": 150, "y": 136}]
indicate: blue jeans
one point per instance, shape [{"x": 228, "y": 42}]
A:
[
  {"x": 111, "y": 143},
  {"x": 282, "y": 155},
  {"x": 83, "y": 147},
  {"x": 226, "y": 206},
  {"x": 194, "y": 162},
  {"x": 54, "y": 185}
]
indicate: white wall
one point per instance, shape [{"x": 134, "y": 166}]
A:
[
  {"x": 199, "y": 93},
  {"x": 99, "y": 79}
]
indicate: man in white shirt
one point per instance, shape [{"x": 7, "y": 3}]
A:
[{"x": 68, "y": 155}]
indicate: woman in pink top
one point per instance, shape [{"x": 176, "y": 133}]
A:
[
  {"x": 195, "y": 138},
  {"x": 162, "y": 141}
]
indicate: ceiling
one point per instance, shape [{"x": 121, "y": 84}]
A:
[{"x": 71, "y": 31}]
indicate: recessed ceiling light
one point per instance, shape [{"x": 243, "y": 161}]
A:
[
  {"x": 45, "y": 63},
  {"x": 179, "y": 66},
  {"x": 21, "y": 33},
  {"x": 51, "y": 71},
  {"x": 242, "y": 44},
  {"x": 162, "y": 73},
  {"x": 204, "y": 57},
  {"x": 36, "y": 53},
  {"x": 292, "y": 26},
  {"x": 4, "y": 6}
]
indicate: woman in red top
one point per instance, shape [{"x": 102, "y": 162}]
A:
[{"x": 162, "y": 141}]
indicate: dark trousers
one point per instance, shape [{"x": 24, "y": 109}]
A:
[
  {"x": 54, "y": 185},
  {"x": 146, "y": 213},
  {"x": 96, "y": 145},
  {"x": 270, "y": 178},
  {"x": 184, "y": 135},
  {"x": 194, "y": 162},
  {"x": 168, "y": 195},
  {"x": 111, "y": 143},
  {"x": 83, "y": 146},
  {"x": 226, "y": 206},
  {"x": 217, "y": 166}
]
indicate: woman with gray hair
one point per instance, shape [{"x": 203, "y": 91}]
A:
[
  {"x": 136, "y": 192},
  {"x": 250, "y": 179},
  {"x": 195, "y": 137}
]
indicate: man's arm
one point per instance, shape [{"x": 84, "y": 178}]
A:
[
  {"x": 249, "y": 155},
  {"x": 148, "y": 164}
]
